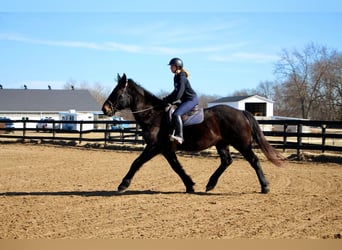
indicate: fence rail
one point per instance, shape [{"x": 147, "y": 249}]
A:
[
  {"x": 102, "y": 131},
  {"x": 305, "y": 135},
  {"x": 283, "y": 134}
]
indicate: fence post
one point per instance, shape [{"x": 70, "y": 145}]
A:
[
  {"x": 324, "y": 127},
  {"x": 81, "y": 128},
  {"x": 122, "y": 135},
  {"x": 24, "y": 129},
  {"x": 53, "y": 129},
  {"x": 108, "y": 132},
  {"x": 106, "y": 135},
  {"x": 136, "y": 133},
  {"x": 299, "y": 140},
  {"x": 285, "y": 137}
]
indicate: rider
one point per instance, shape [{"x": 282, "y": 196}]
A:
[{"x": 182, "y": 93}]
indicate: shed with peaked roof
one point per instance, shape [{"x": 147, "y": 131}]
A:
[{"x": 257, "y": 105}]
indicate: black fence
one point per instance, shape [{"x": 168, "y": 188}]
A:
[
  {"x": 79, "y": 131},
  {"x": 304, "y": 134},
  {"x": 283, "y": 134}
]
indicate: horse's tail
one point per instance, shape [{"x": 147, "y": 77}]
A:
[{"x": 271, "y": 154}]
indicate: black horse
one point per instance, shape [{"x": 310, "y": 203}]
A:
[{"x": 222, "y": 126}]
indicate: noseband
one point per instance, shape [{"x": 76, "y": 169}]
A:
[{"x": 112, "y": 106}]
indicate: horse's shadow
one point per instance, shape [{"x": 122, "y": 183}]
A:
[{"x": 110, "y": 193}]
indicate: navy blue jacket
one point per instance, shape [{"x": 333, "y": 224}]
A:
[{"x": 182, "y": 89}]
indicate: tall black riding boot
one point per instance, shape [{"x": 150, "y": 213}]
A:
[{"x": 178, "y": 135}]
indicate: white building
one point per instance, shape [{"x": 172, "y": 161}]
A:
[
  {"x": 34, "y": 104},
  {"x": 257, "y": 105}
]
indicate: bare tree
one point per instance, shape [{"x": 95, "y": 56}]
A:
[
  {"x": 266, "y": 89},
  {"x": 204, "y": 99},
  {"x": 97, "y": 90},
  {"x": 330, "y": 102},
  {"x": 302, "y": 73},
  {"x": 244, "y": 92},
  {"x": 70, "y": 84}
]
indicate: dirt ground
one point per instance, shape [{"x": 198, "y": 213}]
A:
[{"x": 51, "y": 192}]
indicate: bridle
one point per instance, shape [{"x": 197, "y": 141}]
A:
[
  {"x": 124, "y": 92},
  {"x": 111, "y": 105}
]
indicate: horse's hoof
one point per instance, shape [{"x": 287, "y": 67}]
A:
[
  {"x": 120, "y": 190},
  {"x": 211, "y": 184},
  {"x": 123, "y": 186},
  {"x": 209, "y": 188},
  {"x": 190, "y": 191},
  {"x": 265, "y": 190}
]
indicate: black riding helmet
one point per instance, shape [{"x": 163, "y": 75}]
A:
[{"x": 177, "y": 62}]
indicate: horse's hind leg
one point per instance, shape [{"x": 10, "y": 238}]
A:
[
  {"x": 177, "y": 167},
  {"x": 226, "y": 160},
  {"x": 255, "y": 163}
]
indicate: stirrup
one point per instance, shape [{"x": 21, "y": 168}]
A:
[{"x": 178, "y": 139}]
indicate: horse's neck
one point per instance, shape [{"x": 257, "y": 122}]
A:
[
  {"x": 140, "y": 104},
  {"x": 144, "y": 100},
  {"x": 146, "y": 112},
  {"x": 149, "y": 119}
]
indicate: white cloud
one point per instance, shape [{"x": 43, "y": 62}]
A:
[
  {"x": 124, "y": 47},
  {"x": 23, "y": 39},
  {"x": 244, "y": 56},
  {"x": 173, "y": 51}
]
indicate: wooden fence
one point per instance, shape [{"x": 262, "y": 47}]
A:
[{"x": 283, "y": 134}]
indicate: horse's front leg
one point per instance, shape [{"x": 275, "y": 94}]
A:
[
  {"x": 177, "y": 167},
  {"x": 148, "y": 153}
]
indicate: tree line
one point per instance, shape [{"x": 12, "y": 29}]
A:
[{"x": 308, "y": 84}]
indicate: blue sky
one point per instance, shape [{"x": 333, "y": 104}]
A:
[{"x": 226, "y": 45}]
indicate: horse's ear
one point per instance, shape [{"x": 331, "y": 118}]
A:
[
  {"x": 118, "y": 78},
  {"x": 123, "y": 80}
]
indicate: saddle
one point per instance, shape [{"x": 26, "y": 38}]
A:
[{"x": 194, "y": 116}]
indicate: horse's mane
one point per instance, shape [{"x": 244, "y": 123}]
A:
[{"x": 147, "y": 94}]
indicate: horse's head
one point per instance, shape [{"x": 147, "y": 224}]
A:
[{"x": 118, "y": 99}]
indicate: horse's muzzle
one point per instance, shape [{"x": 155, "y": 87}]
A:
[{"x": 107, "y": 109}]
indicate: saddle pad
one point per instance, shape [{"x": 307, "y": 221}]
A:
[{"x": 195, "y": 118}]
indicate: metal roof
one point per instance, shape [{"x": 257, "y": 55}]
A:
[
  {"x": 238, "y": 98},
  {"x": 39, "y": 100}
]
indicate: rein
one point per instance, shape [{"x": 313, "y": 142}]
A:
[
  {"x": 133, "y": 112},
  {"x": 142, "y": 110}
]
